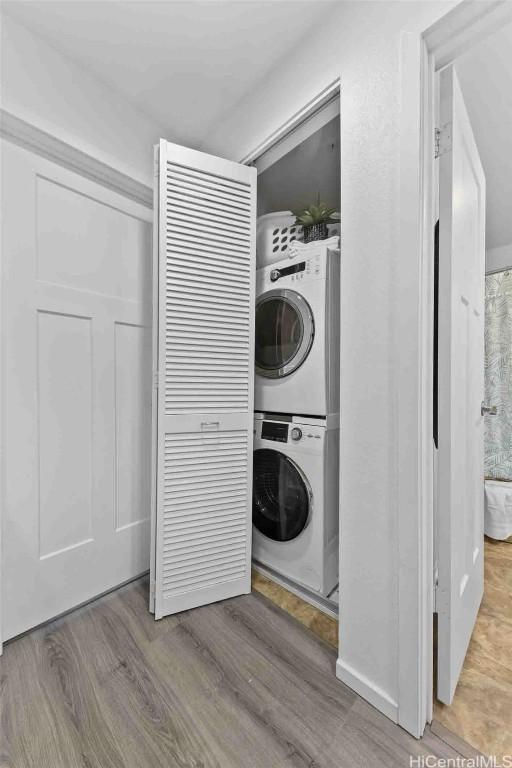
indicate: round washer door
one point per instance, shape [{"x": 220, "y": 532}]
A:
[
  {"x": 281, "y": 496},
  {"x": 284, "y": 332}
]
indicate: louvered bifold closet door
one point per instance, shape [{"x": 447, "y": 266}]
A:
[{"x": 206, "y": 264}]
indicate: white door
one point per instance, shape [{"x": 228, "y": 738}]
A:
[
  {"x": 76, "y": 317},
  {"x": 204, "y": 355},
  {"x": 461, "y": 385}
]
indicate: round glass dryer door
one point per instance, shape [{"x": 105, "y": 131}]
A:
[
  {"x": 281, "y": 496},
  {"x": 284, "y": 332}
]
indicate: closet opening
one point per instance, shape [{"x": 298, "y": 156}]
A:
[{"x": 295, "y": 542}]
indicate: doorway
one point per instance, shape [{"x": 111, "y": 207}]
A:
[
  {"x": 295, "y": 551},
  {"x": 472, "y": 556}
]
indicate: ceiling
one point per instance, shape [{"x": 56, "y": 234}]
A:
[
  {"x": 182, "y": 63},
  {"x": 485, "y": 75}
]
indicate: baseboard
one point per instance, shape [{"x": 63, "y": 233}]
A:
[
  {"x": 367, "y": 690},
  {"x": 74, "y": 608}
]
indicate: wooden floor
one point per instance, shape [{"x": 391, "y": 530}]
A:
[
  {"x": 481, "y": 712},
  {"x": 238, "y": 684},
  {"x": 319, "y": 623}
]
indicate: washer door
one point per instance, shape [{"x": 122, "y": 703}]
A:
[
  {"x": 284, "y": 332},
  {"x": 281, "y": 496}
]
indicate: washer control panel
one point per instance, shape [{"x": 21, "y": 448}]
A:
[
  {"x": 275, "y": 430},
  {"x": 305, "y": 436}
]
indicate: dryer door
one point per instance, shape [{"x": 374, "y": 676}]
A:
[
  {"x": 284, "y": 332},
  {"x": 281, "y": 496}
]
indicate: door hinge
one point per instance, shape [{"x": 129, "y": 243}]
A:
[
  {"x": 436, "y": 585},
  {"x": 155, "y": 379},
  {"x": 443, "y": 140}
]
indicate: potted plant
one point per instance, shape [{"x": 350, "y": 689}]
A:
[{"x": 314, "y": 220}]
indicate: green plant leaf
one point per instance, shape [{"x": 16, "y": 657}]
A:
[{"x": 315, "y": 214}]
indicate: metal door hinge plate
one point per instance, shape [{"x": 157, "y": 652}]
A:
[{"x": 443, "y": 140}]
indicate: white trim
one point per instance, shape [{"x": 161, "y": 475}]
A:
[
  {"x": 316, "y": 104},
  {"x": 455, "y": 33},
  {"x": 155, "y": 383},
  {"x": 413, "y": 410},
  {"x": 30, "y": 137},
  {"x": 365, "y": 688},
  {"x": 2, "y": 447},
  {"x": 303, "y": 131},
  {"x": 463, "y": 26}
]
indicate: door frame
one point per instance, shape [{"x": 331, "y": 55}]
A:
[{"x": 439, "y": 45}]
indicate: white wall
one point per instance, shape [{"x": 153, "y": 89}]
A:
[
  {"x": 498, "y": 258},
  {"x": 44, "y": 88},
  {"x": 361, "y": 44}
]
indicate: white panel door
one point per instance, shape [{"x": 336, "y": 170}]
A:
[
  {"x": 76, "y": 317},
  {"x": 205, "y": 364},
  {"x": 461, "y": 385}
]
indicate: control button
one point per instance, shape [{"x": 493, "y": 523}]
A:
[
  {"x": 296, "y": 433},
  {"x": 310, "y": 435}
]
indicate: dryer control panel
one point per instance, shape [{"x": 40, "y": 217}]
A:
[{"x": 292, "y": 271}]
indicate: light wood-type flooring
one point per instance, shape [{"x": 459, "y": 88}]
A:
[
  {"x": 481, "y": 712},
  {"x": 237, "y": 684},
  {"x": 319, "y": 623}
]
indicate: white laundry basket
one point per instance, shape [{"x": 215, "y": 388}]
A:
[{"x": 274, "y": 234}]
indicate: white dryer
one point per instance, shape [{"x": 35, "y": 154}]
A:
[
  {"x": 295, "y": 499},
  {"x": 297, "y": 334}
]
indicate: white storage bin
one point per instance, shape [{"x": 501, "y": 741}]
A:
[{"x": 275, "y": 232}]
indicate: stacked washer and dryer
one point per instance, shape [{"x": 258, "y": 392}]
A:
[{"x": 296, "y": 424}]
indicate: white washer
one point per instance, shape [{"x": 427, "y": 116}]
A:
[
  {"x": 295, "y": 499},
  {"x": 297, "y": 334}
]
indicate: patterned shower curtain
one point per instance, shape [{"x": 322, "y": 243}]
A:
[{"x": 498, "y": 374}]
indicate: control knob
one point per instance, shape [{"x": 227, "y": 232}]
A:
[
  {"x": 275, "y": 275},
  {"x": 296, "y": 433}
]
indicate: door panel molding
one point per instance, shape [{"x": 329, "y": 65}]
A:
[{"x": 78, "y": 314}]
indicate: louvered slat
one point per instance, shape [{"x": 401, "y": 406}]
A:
[
  {"x": 206, "y": 260},
  {"x": 200, "y": 524},
  {"x": 187, "y": 276}
]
